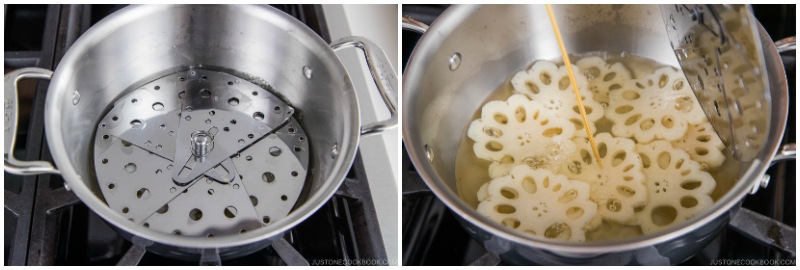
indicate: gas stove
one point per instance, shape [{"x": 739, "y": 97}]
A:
[
  {"x": 46, "y": 224},
  {"x": 432, "y": 234}
]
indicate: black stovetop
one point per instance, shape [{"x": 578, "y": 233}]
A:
[
  {"x": 46, "y": 224},
  {"x": 432, "y": 235}
]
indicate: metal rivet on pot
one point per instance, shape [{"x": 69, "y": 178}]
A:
[
  {"x": 760, "y": 184},
  {"x": 765, "y": 181},
  {"x": 76, "y": 97},
  {"x": 335, "y": 150},
  {"x": 455, "y": 61},
  {"x": 429, "y": 153},
  {"x": 307, "y": 72}
]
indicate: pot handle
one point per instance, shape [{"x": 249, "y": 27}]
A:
[
  {"x": 414, "y": 25},
  {"x": 10, "y": 109},
  {"x": 788, "y": 151},
  {"x": 786, "y": 44},
  {"x": 382, "y": 73}
]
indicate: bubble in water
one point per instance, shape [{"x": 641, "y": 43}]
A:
[
  {"x": 535, "y": 162},
  {"x": 604, "y": 104},
  {"x": 626, "y": 191},
  {"x": 555, "y": 230},
  {"x": 553, "y": 150},
  {"x": 591, "y": 73},
  {"x": 559, "y": 150},
  {"x": 684, "y": 104},
  {"x": 575, "y": 167},
  {"x": 572, "y": 194},
  {"x": 677, "y": 85},
  {"x": 614, "y": 205},
  {"x": 493, "y": 132}
]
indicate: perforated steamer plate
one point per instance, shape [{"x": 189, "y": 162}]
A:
[
  {"x": 201, "y": 153},
  {"x": 720, "y": 53}
]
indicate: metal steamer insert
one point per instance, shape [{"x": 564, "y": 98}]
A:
[
  {"x": 201, "y": 153},
  {"x": 720, "y": 53}
]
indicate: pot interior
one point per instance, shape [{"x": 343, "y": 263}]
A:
[
  {"x": 440, "y": 101},
  {"x": 258, "y": 44}
]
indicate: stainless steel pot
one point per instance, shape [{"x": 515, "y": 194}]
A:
[
  {"x": 258, "y": 43},
  {"x": 471, "y": 50}
]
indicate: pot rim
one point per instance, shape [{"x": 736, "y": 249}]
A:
[
  {"x": 429, "y": 44},
  {"x": 58, "y": 149}
]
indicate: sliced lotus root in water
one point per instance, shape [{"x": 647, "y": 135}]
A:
[
  {"x": 659, "y": 106},
  {"x": 539, "y": 202},
  {"x": 500, "y": 169},
  {"x": 557, "y": 151},
  {"x": 619, "y": 186},
  {"x": 677, "y": 187},
  {"x": 549, "y": 84},
  {"x": 603, "y": 77},
  {"x": 703, "y": 145},
  {"x": 517, "y": 128}
]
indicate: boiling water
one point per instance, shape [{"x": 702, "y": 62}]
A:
[{"x": 472, "y": 172}]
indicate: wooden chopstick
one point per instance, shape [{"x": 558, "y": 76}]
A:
[{"x": 574, "y": 83}]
